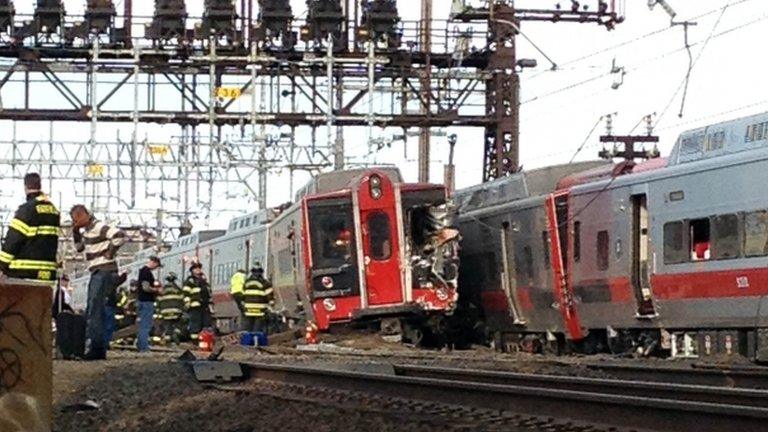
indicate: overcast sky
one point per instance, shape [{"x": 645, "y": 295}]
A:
[{"x": 560, "y": 108}]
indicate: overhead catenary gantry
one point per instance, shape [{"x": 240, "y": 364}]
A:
[{"x": 244, "y": 80}]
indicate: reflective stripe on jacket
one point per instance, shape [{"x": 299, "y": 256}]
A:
[
  {"x": 256, "y": 296},
  {"x": 196, "y": 293},
  {"x": 171, "y": 302}
]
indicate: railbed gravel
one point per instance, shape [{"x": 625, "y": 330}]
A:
[{"x": 154, "y": 392}]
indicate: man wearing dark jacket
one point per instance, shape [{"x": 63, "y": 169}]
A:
[
  {"x": 197, "y": 297},
  {"x": 147, "y": 293},
  {"x": 30, "y": 245}
]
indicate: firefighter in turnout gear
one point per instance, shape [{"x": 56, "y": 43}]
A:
[
  {"x": 32, "y": 240},
  {"x": 197, "y": 298},
  {"x": 171, "y": 306},
  {"x": 121, "y": 306},
  {"x": 236, "y": 285},
  {"x": 257, "y": 298}
]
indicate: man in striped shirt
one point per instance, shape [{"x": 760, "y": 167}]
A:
[{"x": 100, "y": 242}]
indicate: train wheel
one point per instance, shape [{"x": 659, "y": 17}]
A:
[
  {"x": 413, "y": 334},
  {"x": 621, "y": 342},
  {"x": 391, "y": 327},
  {"x": 497, "y": 341},
  {"x": 594, "y": 343}
]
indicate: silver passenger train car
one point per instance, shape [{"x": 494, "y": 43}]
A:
[
  {"x": 221, "y": 252},
  {"x": 670, "y": 253}
]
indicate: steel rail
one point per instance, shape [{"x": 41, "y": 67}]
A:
[
  {"x": 602, "y": 409},
  {"x": 711, "y": 375},
  {"x": 649, "y": 389}
]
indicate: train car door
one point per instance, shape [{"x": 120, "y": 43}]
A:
[
  {"x": 376, "y": 203},
  {"x": 557, "y": 221},
  {"x": 639, "y": 277},
  {"x": 509, "y": 275}
]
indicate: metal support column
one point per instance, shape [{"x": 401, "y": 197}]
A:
[
  {"x": 425, "y": 134},
  {"x": 502, "y": 103}
]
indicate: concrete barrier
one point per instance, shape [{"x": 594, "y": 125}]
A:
[{"x": 26, "y": 375}]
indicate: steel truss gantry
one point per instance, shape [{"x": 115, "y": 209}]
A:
[{"x": 242, "y": 103}]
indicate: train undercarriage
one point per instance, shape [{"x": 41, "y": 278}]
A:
[{"x": 710, "y": 344}]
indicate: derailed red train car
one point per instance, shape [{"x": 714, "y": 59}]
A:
[{"x": 363, "y": 245}]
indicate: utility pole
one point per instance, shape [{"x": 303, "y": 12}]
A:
[
  {"x": 502, "y": 103},
  {"x": 425, "y": 134},
  {"x": 629, "y": 152}
]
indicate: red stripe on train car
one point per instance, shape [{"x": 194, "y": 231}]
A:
[
  {"x": 496, "y": 300},
  {"x": 621, "y": 290},
  {"x": 726, "y": 283}
]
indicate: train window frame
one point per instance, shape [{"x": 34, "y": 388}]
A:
[
  {"x": 379, "y": 237},
  {"x": 321, "y": 214},
  {"x": 747, "y": 233},
  {"x": 679, "y": 254},
  {"x": 576, "y": 241},
  {"x": 530, "y": 271},
  {"x": 719, "y": 244},
  {"x": 693, "y": 235},
  {"x": 603, "y": 250}
]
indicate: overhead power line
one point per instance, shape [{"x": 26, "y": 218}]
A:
[{"x": 644, "y": 63}]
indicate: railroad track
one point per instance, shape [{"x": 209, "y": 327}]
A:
[
  {"x": 601, "y": 404},
  {"x": 698, "y": 374},
  {"x": 706, "y": 374},
  {"x": 649, "y": 389}
]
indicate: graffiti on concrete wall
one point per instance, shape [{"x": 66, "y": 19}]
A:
[{"x": 12, "y": 320}]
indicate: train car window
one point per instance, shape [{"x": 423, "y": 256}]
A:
[
  {"x": 525, "y": 265},
  {"x": 576, "y": 241},
  {"x": 285, "y": 260},
  {"x": 545, "y": 247},
  {"x": 700, "y": 246},
  {"x": 756, "y": 233},
  {"x": 674, "y": 243},
  {"x": 603, "y": 246},
  {"x": 725, "y": 238},
  {"x": 380, "y": 236},
  {"x": 332, "y": 236}
]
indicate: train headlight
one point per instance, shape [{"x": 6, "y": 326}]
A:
[
  {"x": 442, "y": 293},
  {"x": 327, "y": 282},
  {"x": 375, "y": 186},
  {"x": 329, "y": 304}
]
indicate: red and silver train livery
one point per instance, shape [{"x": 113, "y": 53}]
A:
[
  {"x": 667, "y": 254},
  {"x": 362, "y": 244}
]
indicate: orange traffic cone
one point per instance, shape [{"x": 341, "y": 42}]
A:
[{"x": 311, "y": 335}]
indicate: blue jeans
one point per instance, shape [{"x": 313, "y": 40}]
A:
[
  {"x": 101, "y": 281},
  {"x": 146, "y": 311},
  {"x": 109, "y": 324}
]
